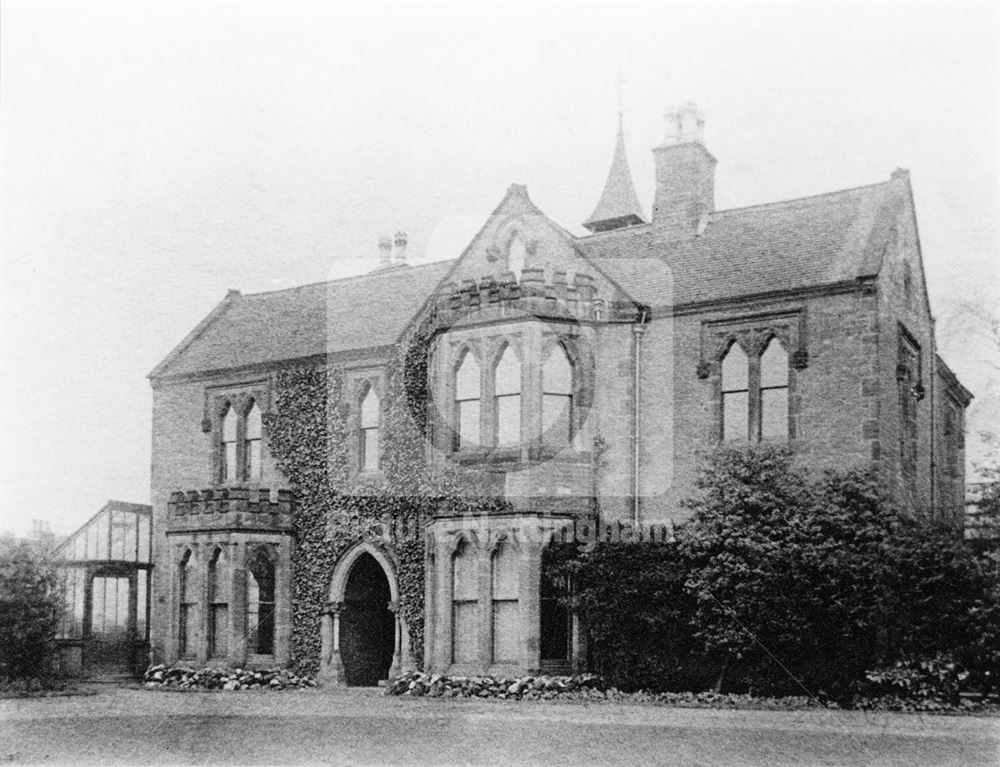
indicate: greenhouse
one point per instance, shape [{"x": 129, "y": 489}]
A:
[{"x": 106, "y": 568}]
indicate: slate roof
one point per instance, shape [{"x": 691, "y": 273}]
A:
[
  {"x": 786, "y": 245},
  {"x": 803, "y": 243},
  {"x": 326, "y": 317}
]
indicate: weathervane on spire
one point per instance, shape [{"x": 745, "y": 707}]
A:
[{"x": 620, "y": 98}]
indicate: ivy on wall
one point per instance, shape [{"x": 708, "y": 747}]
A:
[{"x": 308, "y": 436}]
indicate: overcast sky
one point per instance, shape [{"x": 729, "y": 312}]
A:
[{"x": 153, "y": 155}]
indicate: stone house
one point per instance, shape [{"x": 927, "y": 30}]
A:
[{"x": 578, "y": 373}]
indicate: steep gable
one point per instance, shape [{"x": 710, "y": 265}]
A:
[{"x": 518, "y": 235}]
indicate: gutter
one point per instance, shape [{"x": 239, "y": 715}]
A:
[{"x": 638, "y": 331}]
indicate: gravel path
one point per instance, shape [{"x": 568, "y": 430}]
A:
[{"x": 136, "y": 726}]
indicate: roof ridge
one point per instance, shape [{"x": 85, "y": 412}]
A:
[
  {"x": 805, "y": 197},
  {"x": 346, "y": 279}
]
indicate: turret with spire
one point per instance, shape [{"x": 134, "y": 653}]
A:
[{"x": 619, "y": 204}]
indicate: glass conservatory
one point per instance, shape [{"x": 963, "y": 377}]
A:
[{"x": 106, "y": 567}]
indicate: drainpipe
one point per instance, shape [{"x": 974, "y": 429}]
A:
[
  {"x": 638, "y": 330},
  {"x": 932, "y": 399}
]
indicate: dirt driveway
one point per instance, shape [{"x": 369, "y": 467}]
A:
[{"x": 136, "y": 726}]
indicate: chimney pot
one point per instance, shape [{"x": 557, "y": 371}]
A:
[
  {"x": 384, "y": 250},
  {"x": 400, "y": 248}
]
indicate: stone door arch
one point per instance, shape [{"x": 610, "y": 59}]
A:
[{"x": 362, "y": 627}]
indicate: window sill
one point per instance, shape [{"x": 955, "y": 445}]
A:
[{"x": 515, "y": 458}]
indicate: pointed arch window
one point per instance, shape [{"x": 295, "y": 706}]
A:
[
  {"x": 505, "y": 580},
  {"x": 735, "y": 394},
  {"x": 260, "y": 603},
  {"x": 218, "y": 605},
  {"x": 252, "y": 443},
  {"x": 774, "y": 391},
  {"x": 464, "y": 604},
  {"x": 557, "y": 398},
  {"x": 185, "y": 594},
  {"x": 230, "y": 422},
  {"x": 507, "y": 399},
  {"x": 368, "y": 447},
  {"x": 516, "y": 253},
  {"x": 467, "y": 383}
]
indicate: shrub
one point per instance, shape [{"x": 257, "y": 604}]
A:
[
  {"x": 30, "y": 607},
  {"x": 788, "y": 584},
  {"x": 638, "y": 614},
  {"x": 938, "y": 678}
]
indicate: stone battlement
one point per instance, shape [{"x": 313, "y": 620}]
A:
[
  {"x": 230, "y": 507},
  {"x": 494, "y": 298}
]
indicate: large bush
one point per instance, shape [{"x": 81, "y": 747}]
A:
[
  {"x": 787, "y": 583},
  {"x": 638, "y": 614},
  {"x": 30, "y": 607}
]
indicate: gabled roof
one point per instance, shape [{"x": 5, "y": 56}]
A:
[
  {"x": 619, "y": 204},
  {"x": 323, "y": 318},
  {"x": 795, "y": 244}
]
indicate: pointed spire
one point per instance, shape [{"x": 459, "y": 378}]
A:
[{"x": 619, "y": 204}]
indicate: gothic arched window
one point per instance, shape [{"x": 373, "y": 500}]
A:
[
  {"x": 774, "y": 391},
  {"x": 505, "y": 580},
  {"x": 185, "y": 602},
  {"x": 218, "y": 606},
  {"x": 252, "y": 442},
  {"x": 464, "y": 604},
  {"x": 227, "y": 469},
  {"x": 467, "y": 403},
  {"x": 516, "y": 253},
  {"x": 260, "y": 603},
  {"x": 368, "y": 446},
  {"x": 557, "y": 398},
  {"x": 735, "y": 394},
  {"x": 507, "y": 399}
]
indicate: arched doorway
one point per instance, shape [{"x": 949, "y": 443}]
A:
[{"x": 367, "y": 627}]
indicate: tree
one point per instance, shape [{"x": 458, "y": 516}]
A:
[{"x": 30, "y": 609}]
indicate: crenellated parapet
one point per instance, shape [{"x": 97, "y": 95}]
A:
[
  {"x": 494, "y": 298},
  {"x": 230, "y": 508}
]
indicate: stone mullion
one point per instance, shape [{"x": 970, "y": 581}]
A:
[
  {"x": 753, "y": 392},
  {"x": 531, "y": 392},
  {"x": 487, "y": 401},
  {"x": 529, "y": 611},
  {"x": 282, "y": 606},
  {"x": 443, "y": 620},
  {"x": 241, "y": 438},
  {"x": 238, "y": 604},
  {"x": 484, "y": 612},
  {"x": 205, "y": 614},
  {"x": 430, "y": 602}
]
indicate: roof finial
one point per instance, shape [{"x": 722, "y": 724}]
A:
[{"x": 619, "y": 99}]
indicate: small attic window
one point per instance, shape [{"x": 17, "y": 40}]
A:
[
  {"x": 907, "y": 281},
  {"x": 515, "y": 256}
]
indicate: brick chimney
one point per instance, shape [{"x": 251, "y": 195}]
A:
[
  {"x": 400, "y": 241},
  {"x": 384, "y": 251},
  {"x": 685, "y": 173}
]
